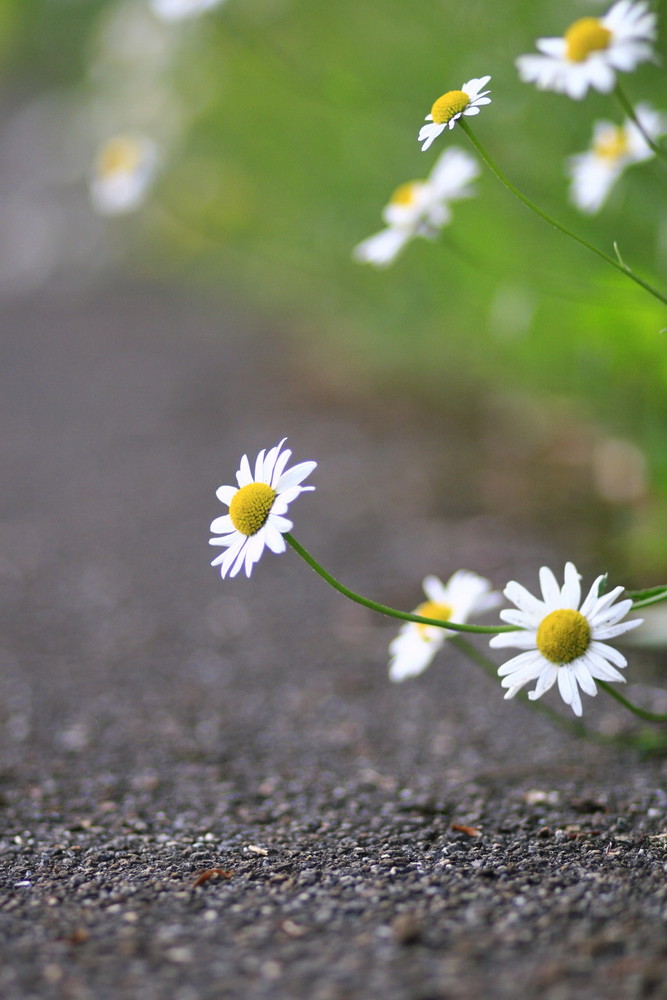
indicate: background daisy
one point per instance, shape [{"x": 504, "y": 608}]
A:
[
  {"x": 592, "y": 50},
  {"x": 420, "y": 208},
  {"x": 415, "y": 645},
  {"x": 613, "y": 149}
]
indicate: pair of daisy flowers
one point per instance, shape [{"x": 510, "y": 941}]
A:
[
  {"x": 588, "y": 55},
  {"x": 561, "y": 639}
]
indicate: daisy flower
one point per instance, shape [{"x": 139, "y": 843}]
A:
[
  {"x": 415, "y": 645},
  {"x": 420, "y": 208},
  {"x": 613, "y": 149},
  {"x": 257, "y": 509},
  {"x": 123, "y": 171},
  {"x": 562, "y": 641},
  {"x": 448, "y": 109},
  {"x": 592, "y": 50},
  {"x": 179, "y": 10}
]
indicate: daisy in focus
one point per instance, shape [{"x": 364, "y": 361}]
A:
[
  {"x": 592, "y": 50},
  {"x": 613, "y": 149},
  {"x": 179, "y": 10},
  {"x": 451, "y": 106},
  {"x": 562, "y": 641},
  {"x": 415, "y": 645},
  {"x": 124, "y": 169},
  {"x": 257, "y": 509},
  {"x": 420, "y": 208}
]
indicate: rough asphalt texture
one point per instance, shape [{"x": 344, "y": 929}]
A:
[{"x": 157, "y": 723}]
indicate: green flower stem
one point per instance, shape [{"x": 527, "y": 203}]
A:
[
  {"x": 642, "y": 713},
  {"x": 648, "y": 598},
  {"x": 382, "y": 609},
  {"x": 632, "y": 115},
  {"x": 617, "y": 264}
]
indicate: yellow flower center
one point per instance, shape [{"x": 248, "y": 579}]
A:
[
  {"x": 431, "y": 609},
  {"x": 450, "y": 104},
  {"x": 613, "y": 144},
  {"x": 563, "y": 636},
  {"x": 585, "y": 36},
  {"x": 406, "y": 194},
  {"x": 118, "y": 156},
  {"x": 250, "y": 507}
]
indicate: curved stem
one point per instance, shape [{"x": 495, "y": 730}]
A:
[
  {"x": 557, "y": 225},
  {"x": 632, "y": 115},
  {"x": 642, "y": 713},
  {"x": 382, "y": 609}
]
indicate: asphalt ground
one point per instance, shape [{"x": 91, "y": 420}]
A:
[{"x": 209, "y": 789}]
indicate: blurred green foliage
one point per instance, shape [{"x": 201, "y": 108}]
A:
[{"x": 301, "y": 119}]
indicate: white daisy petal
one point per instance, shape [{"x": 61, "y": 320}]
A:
[
  {"x": 600, "y": 669},
  {"x": 282, "y": 524},
  {"x": 259, "y": 467},
  {"x": 180, "y": 10},
  {"x": 270, "y": 462},
  {"x": 519, "y": 618},
  {"x": 550, "y": 589},
  {"x": 608, "y": 653},
  {"x": 221, "y": 525},
  {"x": 545, "y": 681},
  {"x": 583, "y": 677},
  {"x": 571, "y": 592},
  {"x": 294, "y": 476},
  {"x": 244, "y": 475},
  {"x": 520, "y": 640},
  {"x": 225, "y": 494},
  {"x": 529, "y": 658},
  {"x": 524, "y": 600},
  {"x": 611, "y": 631},
  {"x": 274, "y": 538}
]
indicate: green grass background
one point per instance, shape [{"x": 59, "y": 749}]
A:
[{"x": 302, "y": 119}]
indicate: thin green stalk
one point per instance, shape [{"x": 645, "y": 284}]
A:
[
  {"x": 632, "y": 115},
  {"x": 642, "y": 713},
  {"x": 382, "y": 609},
  {"x": 618, "y": 265}
]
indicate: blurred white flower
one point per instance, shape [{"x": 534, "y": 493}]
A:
[
  {"x": 178, "y": 10},
  {"x": 415, "y": 645},
  {"x": 420, "y": 208},
  {"x": 562, "y": 641},
  {"x": 124, "y": 169},
  {"x": 451, "y": 106},
  {"x": 592, "y": 50},
  {"x": 613, "y": 149}
]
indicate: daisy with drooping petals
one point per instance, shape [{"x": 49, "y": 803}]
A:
[
  {"x": 415, "y": 645},
  {"x": 179, "y": 10},
  {"x": 592, "y": 50},
  {"x": 613, "y": 149},
  {"x": 420, "y": 208},
  {"x": 562, "y": 641},
  {"x": 124, "y": 169},
  {"x": 451, "y": 106},
  {"x": 257, "y": 509}
]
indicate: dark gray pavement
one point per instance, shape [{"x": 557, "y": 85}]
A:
[{"x": 157, "y": 722}]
